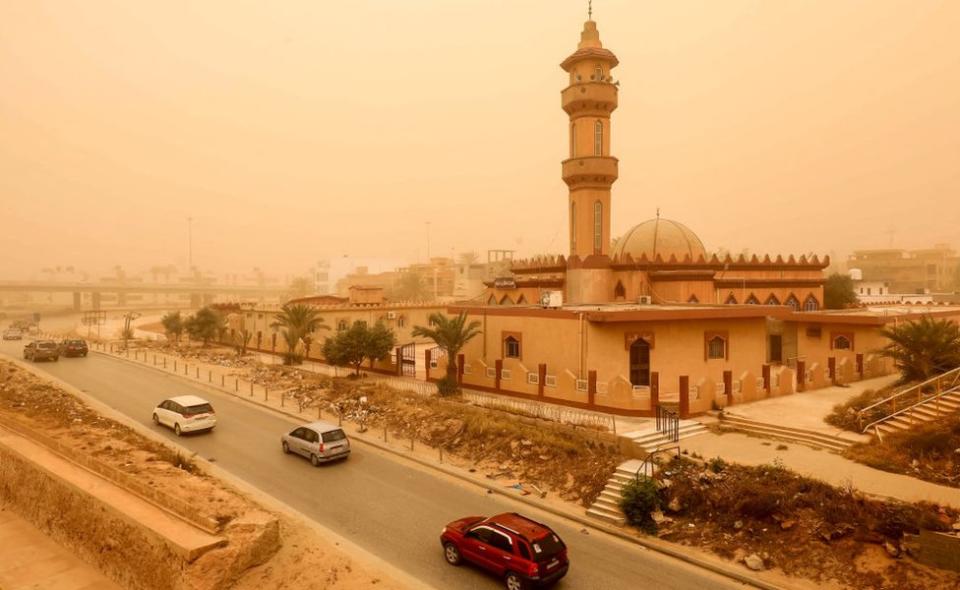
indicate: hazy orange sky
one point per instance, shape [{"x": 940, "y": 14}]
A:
[{"x": 296, "y": 130}]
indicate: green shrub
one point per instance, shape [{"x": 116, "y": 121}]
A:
[
  {"x": 639, "y": 499},
  {"x": 717, "y": 465}
]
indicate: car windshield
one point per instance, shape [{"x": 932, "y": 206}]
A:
[
  {"x": 75, "y": 342},
  {"x": 46, "y": 345},
  {"x": 333, "y": 436},
  {"x": 199, "y": 409},
  {"x": 547, "y": 548}
]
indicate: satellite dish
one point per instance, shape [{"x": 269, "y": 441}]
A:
[{"x": 545, "y": 299}]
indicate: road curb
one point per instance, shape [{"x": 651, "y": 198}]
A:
[{"x": 662, "y": 547}]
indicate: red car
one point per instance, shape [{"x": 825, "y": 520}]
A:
[{"x": 525, "y": 553}]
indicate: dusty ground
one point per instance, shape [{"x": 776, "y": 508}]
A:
[
  {"x": 799, "y": 525},
  {"x": 304, "y": 560}
]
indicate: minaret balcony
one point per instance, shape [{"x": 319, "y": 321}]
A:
[
  {"x": 589, "y": 98},
  {"x": 590, "y": 171}
]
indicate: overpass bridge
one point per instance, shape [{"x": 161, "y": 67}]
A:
[{"x": 200, "y": 293}]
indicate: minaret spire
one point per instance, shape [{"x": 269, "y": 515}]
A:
[{"x": 589, "y": 9}]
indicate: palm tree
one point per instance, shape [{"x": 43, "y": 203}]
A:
[
  {"x": 298, "y": 321},
  {"x": 923, "y": 348},
  {"x": 451, "y": 335}
]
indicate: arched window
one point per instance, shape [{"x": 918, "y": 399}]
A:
[
  {"x": 506, "y": 300},
  {"x": 772, "y": 300},
  {"x": 573, "y": 227},
  {"x": 573, "y": 140},
  {"x": 716, "y": 348},
  {"x": 492, "y": 300},
  {"x": 752, "y": 300},
  {"x": 619, "y": 292},
  {"x": 842, "y": 343},
  {"x": 811, "y": 303},
  {"x": 792, "y": 302},
  {"x": 597, "y": 227},
  {"x": 693, "y": 299},
  {"x": 342, "y": 325},
  {"x": 598, "y": 138},
  {"x": 511, "y": 347},
  {"x": 731, "y": 300},
  {"x": 598, "y": 73}
]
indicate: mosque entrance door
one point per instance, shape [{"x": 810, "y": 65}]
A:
[{"x": 640, "y": 362}]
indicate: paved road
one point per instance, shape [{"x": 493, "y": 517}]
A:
[{"x": 380, "y": 502}]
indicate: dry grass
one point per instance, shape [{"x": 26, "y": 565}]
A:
[
  {"x": 930, "y": 451},
  {"x": 845, "y": 415}
]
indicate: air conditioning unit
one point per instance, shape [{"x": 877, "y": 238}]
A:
[
  {"x": 551, "y": 299},
  {"x": 645, "y": 300},
  {"x": 391, "y": 315}
]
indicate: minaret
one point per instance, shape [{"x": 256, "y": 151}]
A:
[{"x": 590, "y": 170}]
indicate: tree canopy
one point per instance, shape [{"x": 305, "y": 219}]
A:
[
  {"x": 205, "y": 325},
  {"x": 359, "y": 342},
  {"x": 838, "y": 292},
  {"x": 923, "y": 348},
  {"x": 298, "y": 322},
  {"x": 173, "y": 325},
  {"x": 451, "y": 334}
]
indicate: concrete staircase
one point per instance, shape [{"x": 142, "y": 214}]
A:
[
  {"x": 649, "y": 440},
  {"x": 947, "y": 404},
  {"x": 801, "y": 436},
  {"x": 607, "y": 505}
]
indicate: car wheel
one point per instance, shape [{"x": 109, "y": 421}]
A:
[
  {"x": 176, "y": 429},
  {"x": 514, "y": 582},
  {"x": 286, "y": 448},
  {"x": 314, "y": 460},
  {"x": 451, "y": 554},
  {"x": 156, "y": 419}
]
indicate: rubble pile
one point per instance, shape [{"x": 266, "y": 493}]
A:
[{"x": 769, "y": 517}]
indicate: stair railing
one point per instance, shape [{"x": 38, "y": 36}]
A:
[
  {"x": 648, "y": 464},
  {"x": 943, "y": 384},
  {"x": 668, "y": 423}
]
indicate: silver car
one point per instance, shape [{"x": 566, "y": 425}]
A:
[{"x": 317, "y": 441}]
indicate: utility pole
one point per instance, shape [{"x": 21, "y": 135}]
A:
[
  {"x": 190, "y": 243},
  {"x": 428, "y": 241}
]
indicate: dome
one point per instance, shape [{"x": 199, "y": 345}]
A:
[{"x": 662, "y": 237}]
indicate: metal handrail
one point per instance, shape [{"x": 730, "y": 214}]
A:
[
  {"x": 922, "y": 402},
  {"x": 648, "y": 461},
  {"x": 669, "y": 423},
  {"x": 919, "y": 386}
]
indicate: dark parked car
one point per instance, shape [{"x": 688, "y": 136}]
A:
[
  {"x": 41, "y": 350},
  {"x": 521, "y": 551},
  {"x": 73, "y": 348}
]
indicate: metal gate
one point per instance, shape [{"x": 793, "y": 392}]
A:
[{"x": 408, "y": 360}]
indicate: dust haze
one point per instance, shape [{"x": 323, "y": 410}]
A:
[{"x": 297, "y": 131}]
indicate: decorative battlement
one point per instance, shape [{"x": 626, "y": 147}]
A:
[{"x": 558, "y": 263}]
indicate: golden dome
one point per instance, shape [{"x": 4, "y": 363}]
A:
[{"x": 662, "y": 237}]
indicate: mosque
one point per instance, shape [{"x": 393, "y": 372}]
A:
[{"x": 624, "y": 325}]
